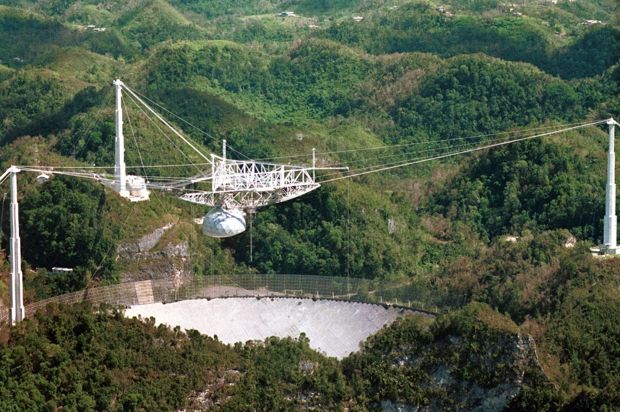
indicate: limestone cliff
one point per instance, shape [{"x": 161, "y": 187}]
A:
[
  {"x": 474, "y": 359},
  {"x": 155, "y": 256}
]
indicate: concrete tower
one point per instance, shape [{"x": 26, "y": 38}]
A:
[
  {"x": 120, "y": 175},
  {"x": 17, "y": 311},
  {"x": 610, "y": 225}
]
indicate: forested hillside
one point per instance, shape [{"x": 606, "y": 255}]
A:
[{"x": 404, "y": 79}]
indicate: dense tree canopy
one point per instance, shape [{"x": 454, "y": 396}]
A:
[
  {"x": 26, "y": 101},
  {"x": 477, "y": 95},
  {"x": 407, "y": 74},
  {"x": 530, "y": 185},
  {"x": 63, "y": 226}
]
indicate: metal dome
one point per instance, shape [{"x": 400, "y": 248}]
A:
[
  {"x": 42, "y": 178},
  {"x": 223, "y": 223}
]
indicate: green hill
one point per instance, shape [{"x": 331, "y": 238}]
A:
[
  {"x": 420, "y": 27},
  {"x": 28, "y": 35},
  {"x": 156, "y": 21},
  {"x": 410, "y": 75}
]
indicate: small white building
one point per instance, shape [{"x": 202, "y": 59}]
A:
[
  {"x": 358, "y": 18},
  {"x": 287, "y": 14},
  {"x": 56, "y": 269}
]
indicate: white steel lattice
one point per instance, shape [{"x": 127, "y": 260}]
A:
[{"x": 240, "y": 184}]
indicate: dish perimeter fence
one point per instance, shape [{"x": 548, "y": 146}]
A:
[{"x": 246, "y": 285}]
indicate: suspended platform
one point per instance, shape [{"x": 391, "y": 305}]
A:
[{"x": 235, "y": 185}]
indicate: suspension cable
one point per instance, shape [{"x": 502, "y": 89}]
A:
[
  {"x": 475, "y": 149},
  {"x": 188, "y": 123},
  {"x": 133, "y": 135},
  {"x": 161, "y": 119},
  {"x": 429, "y": 151},
  {"x": 387, "y": 147},
  {"x": 168, "y": 137},
  {"x": 412, "y": 152}
]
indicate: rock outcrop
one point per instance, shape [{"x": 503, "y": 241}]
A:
[
  {"x": 147, "y": 258},
  {"x": 474, "y": 360}
]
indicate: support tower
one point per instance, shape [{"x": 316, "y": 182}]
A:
[
  {"x": 610, "y": 223},
  {"x": 17, "y": 311}
]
